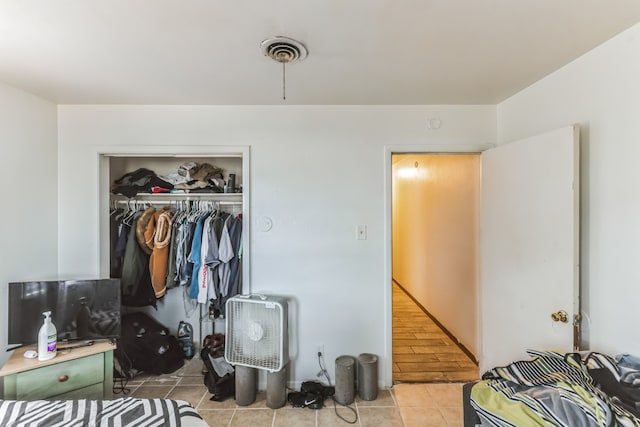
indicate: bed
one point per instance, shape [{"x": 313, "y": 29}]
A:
[
  {"x": 557, "y": 389},
  {"x": 118, "y": 412}
]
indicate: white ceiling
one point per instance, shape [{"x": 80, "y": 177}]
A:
[{"x": 360, "y": 51}]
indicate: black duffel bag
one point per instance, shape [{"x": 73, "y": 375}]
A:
[{"x": 147, "y": 345}]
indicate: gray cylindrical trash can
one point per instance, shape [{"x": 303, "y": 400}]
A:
[
  {"x": 345, "y": 380},
  {"x": 368, "y": 376},
  {"x": 277, "y": 388},
  {"x": 246, "y": 385}
]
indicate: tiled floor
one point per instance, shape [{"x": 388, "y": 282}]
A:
[
  {"x": 428, "y": 373},
  {"x": 422, "y": 352},
  {"x": 410, "y": 405}
]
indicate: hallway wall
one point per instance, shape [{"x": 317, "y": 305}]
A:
[{"x": 435, "y": 237}]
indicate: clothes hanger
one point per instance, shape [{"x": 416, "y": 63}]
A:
[
  {"x": 134, "y": 209},
  {"x": 124, "y": 212},
  {"x": 114, "y": 208}
]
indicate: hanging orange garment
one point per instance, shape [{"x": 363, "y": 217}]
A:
[{"x": 157, "y": 237}]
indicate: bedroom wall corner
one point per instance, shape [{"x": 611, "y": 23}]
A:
[{"x": 28, "y": 169}]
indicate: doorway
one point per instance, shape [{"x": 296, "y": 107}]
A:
[{"x": 435, "y": 216}]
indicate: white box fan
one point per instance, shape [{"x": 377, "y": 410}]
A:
[{"x": 257, "y": 334}]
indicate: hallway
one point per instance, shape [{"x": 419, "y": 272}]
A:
[{"x": 422, "y": 352}]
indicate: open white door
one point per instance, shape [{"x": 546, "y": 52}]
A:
[{"x": 529, "y": 246}]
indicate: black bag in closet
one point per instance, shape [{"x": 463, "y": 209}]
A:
[{"x": 148, "y": 345}]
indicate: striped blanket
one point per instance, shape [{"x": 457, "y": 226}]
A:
[
  {"x": 99, "y": 413},
  {"x": 552, "y": 389}
]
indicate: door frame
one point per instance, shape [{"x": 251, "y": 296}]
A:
[{"x": 389, "y": 151}]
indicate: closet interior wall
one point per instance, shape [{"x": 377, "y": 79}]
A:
[{"x": 170, "y": 308}]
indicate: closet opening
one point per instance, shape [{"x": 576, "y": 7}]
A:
[
  {"x": 216, "y": 200},
  {"x": 434, "y": 266}
]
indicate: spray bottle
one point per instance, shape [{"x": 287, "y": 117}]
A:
[
  {"x": 185, "y": 334},
  {"x": 47, "y": 338}
]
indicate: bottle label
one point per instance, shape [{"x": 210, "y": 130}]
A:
[{"x": 51, "y": 343}]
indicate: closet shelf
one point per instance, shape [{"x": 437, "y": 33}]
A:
[{"x": 180, "y": 196}]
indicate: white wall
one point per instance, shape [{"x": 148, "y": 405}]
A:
[
  {"x": 601, "y": 92},
  {"x": 317, "y": 171},
  {"x": 28, "y": 172}
]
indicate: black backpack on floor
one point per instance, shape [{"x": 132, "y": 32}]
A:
[
  {"x": 222, "y": 388},
  {"x": 146, "y": 345}
]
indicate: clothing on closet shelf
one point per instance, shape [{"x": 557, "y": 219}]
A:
[
  {"x": 195, "y": 245},
  {"x": 189, "y": 177}
]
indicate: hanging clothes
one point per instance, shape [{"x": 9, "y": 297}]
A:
[
  {"x": 226, "y": 255},
  {"x": 195, "y": 258},
  {"x": 204, "y": 274},
  {"x": 212, "y": 260},
  {"x": 196, "y": 246},
  {"x": 171, "y": 279},
  {"x": 136, "y": 280},
  {"x": 235, "y": 235},
  {"x": 183, "y": 266},
  {"x": 157, "y": 238}
]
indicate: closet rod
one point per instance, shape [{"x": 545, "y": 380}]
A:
[
  {"x": 170, "y": 202},
  {"x": 180, "y": 196}
]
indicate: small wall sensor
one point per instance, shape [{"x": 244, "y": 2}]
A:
[
  {"x": 265, "y": 223},
  {"x": 434, "y": 123}
]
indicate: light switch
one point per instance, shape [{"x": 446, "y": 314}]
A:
[{"x": 361, "y": 232}]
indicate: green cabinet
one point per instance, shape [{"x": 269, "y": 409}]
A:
[{"x": 84, "y": 374}]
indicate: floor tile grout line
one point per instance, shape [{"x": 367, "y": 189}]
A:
[
  {"x": 393, "y": 396},
  {"x": 169, "y": 392},
  {"x": 232, "y": 416},
  {"x": 201, "y": 399}
]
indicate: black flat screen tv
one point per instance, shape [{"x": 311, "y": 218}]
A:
[{"x": 80, "y": 309}]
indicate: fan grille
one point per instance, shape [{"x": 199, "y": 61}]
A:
[{"x": 257, "y": 333}]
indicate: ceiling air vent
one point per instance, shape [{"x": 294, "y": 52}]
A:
[{"x": 284, "y": 49}]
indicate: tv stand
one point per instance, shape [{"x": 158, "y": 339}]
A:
[{"x": 75, "y": 373}]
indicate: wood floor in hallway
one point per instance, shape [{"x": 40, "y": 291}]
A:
[{"x": 422, "y": 351}]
